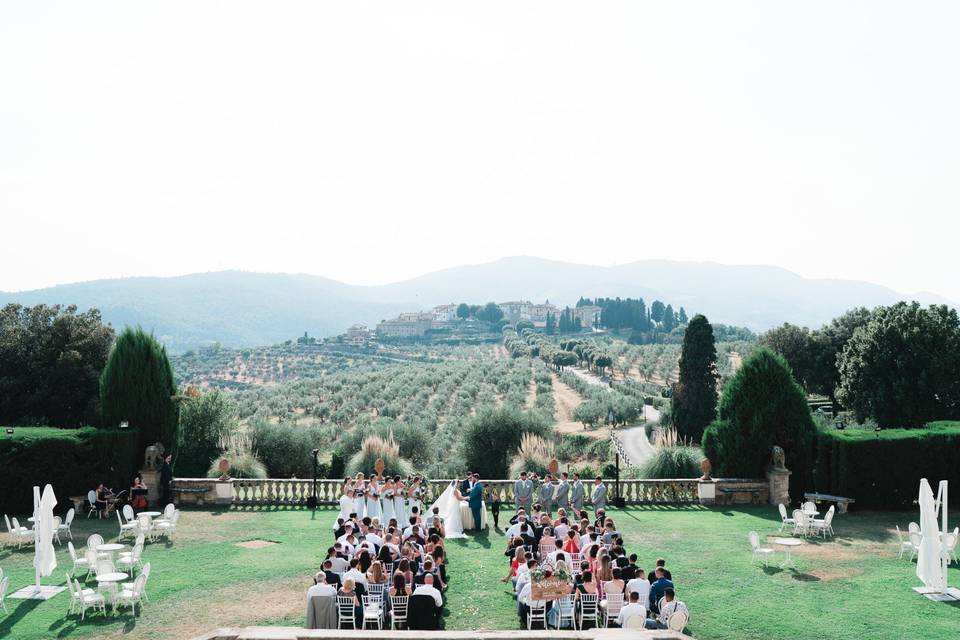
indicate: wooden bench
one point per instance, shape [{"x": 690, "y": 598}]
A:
[{"x": 842, "y": 502}]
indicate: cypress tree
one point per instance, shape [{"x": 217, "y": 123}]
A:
[
  {"x": 694, "y": 401},
  {"x": 137, "y": 386}
]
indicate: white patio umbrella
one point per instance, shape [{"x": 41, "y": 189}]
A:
[
  {"x": 45, "y": 558},
  {"x": 931, "y": 568}
]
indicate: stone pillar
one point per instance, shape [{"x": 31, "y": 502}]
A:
[
  {"x": 779, "y": 483},
  {"x": 151, "y": 478},
  {"x": 707, "y": 491},
  {"x": 224, "y": 491}
]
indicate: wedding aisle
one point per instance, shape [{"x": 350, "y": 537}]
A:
[{"x": 476, "y": 598}]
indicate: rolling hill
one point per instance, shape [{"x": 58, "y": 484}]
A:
[{"x": 249, "y": 309}]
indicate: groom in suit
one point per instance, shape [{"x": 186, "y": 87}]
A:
[{"x": 476, "y": 501}]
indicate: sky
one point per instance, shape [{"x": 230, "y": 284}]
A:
[{"x": 375, "y": 141}]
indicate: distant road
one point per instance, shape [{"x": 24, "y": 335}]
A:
[{"x": 635, "y": 441}]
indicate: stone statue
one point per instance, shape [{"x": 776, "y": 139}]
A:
[
  {"x": 224, "y": 467},
  {"x": 705, "y": 468},
  {"x": 779, "y": 458},
  {"x": 153, "y": 457}
]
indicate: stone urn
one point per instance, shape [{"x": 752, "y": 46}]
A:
[{"x": 223, "y": 487}]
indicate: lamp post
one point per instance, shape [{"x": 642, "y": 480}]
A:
[{"x": 312, "y": 500}]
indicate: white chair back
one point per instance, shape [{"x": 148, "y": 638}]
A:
[
  {"x": 9, "y": 527},
  {"x": 913, "y": 526},
  {"x": 94, "y": 541},
  {"x": 634, "y": 622},
  {"x": 73, "y": 552},
  {"x": 69, "y": 519},
  {"x": 128, "y": 513},
  {"x": 168, "y": 511},
  {"x": 916, "y": 539},
  {"x": 678, "y": 621},
  {"x": 783, "y": 511},
  {"x": 754, "y": 540},
  {"x": 91, "y": 555},
  {"x": 92, "y": 497},
  {"x": 56, "y": 523}
]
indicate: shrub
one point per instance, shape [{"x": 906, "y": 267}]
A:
[
  {"x": 237, "y": 448},
  {"x": 572, "y": 447},
  {"x": 204, "y": 419},
  {"x": 882, "y": 470},
  {"x": 494, "y": 434},
  {"x": 286, "y": 449},
  {"x": 375, "y": 447},
  {"x": 72, "y": 460},
  {"x": 137, "y": 386},
  {"x": 534, "y": 456},
  {"x": 762, "y": 406},
  {"x": 673, "y": 462}
]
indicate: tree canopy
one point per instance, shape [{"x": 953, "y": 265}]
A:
[
  {"x": 694, "y": 398},
  {"x": 50, "y": 364}
]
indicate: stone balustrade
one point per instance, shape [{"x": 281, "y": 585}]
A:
[{"x": 295, "y": 491}]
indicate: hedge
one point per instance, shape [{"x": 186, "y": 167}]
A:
[
  {"x": 73, "y": 461},
  {"x": 882, "y": 469}
]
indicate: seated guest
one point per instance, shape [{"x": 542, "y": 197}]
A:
[
  {"x": 547, "y": 540},
  {"x": 670, "y": 606},
  {"x": 629, "y": 572},
  {"x": 658, "y": 589},
  {"x": 585, "y": 584},
  {"x": 338, "y": 563},
  {"x": 571, "y": 545},
  {"x": 400, "y": 587},
  {"x": 522, "y": 529},
  {"x": 518, "y": 558},
  {"x": 666, "y": 572},
  {"x": 385, "y": 556},
  {"x": 359, "y": 577},
  {"x": 525, "y": 601},
  {"x": 376, "y": 575},
  {"x": 425, "y": 605},
  {"x": 615, "y": 585},
  {"x": 609, "y": 533},
  {"x": 440, "y": 562},
  {"x": 321, "y": 614},
  {"x": 349, "y": 590},
  {"x": 631, "y": 610},
  {"x": 640, "y": 585},
  {"x": 403, "y": 568},
  {"x": 560, "y": 529},
  {"x": 332, "y": 578},
  {"x": 436, "y": 528},
  {"x": 619, "y": 556},
  {"x": 601, "y": 518},
  {"x": 523, "y": 575}
]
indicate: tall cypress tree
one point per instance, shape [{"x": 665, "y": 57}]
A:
[
  {"x": 694, "y": 401},
  {"x": 137, "y": 386}
]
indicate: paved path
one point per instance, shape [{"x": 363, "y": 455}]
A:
[{"x": 635, "y": 441}]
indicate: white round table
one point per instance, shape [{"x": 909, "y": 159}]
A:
[
  {"x": 110, "y": 548},
  {"x": 787, "y": 544},
  {"x": 108, "y": 582},
  {"x": 152, "y": 514}
]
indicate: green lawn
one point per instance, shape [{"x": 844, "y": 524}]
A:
[{"x": 852, "y": 587}]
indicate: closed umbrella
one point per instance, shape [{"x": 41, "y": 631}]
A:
[
  {"x": 45, "y": 558},
  {"x": 931, "y": 568}
]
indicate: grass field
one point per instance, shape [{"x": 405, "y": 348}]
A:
[{"x": 850, "y": 588}]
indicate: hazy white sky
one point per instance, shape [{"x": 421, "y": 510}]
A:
[{"x": 373, "y": 141}]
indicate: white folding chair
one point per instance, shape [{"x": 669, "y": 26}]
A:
[
  {"x": 588, "y": 609},
  {"x": 398, "y": 611},
  {"x": 78, "y": 563},
  {"x": 21, "y": 534},
  {"x": 145, "y": 574},
  {"x": 125, "y": 527},
  {"x": 566, "y": 611},
  {"x": 610, "y": 606},
  {"x": 372, "y": 610},
  {"x": 89, "y": 599},
  {"x": 130, "y": 561},
  {"x": 3, "y": 592},
  {"x": 905, "y": 545},
  {"x": 92, "y": 499},
  {"x": 915, "y": 540},
  {"x": 537, "y": 613},
  {"x": 951, "y": 550},
  {"x": 758, "y": 551},
  {"x": 56, "y": 528},
  {"x": 345, "y": 613},
  {"x": 801, "y": 525},
  {"x": 131, "y": 596}
]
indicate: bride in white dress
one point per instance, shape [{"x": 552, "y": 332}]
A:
[{"x": 448, "y": 505}]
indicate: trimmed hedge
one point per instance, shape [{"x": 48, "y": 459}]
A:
[
  {"x": 882, "y": 469},
  {"x": 73, "y": 461}
]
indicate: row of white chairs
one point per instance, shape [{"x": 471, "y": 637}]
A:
[
  {"x": 603, "y": 613},
  {"x": 129, "y": 593},
  {"x": 373, "y": 611},
  {"x": 165, "y": 525},
  {"x": 807, "y": 525},
  {"x": 914, "y": 539},
  {"x": 20, "y": 535}
]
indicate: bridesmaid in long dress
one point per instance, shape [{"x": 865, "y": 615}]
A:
[
  {"x": 399, "y": 506},
  {"x": 416, "y": 496},
  {"x": 359, "y": 492},
  {"x": 346, "y": 502},
  {"x": 389, "y": 490},
  {"x": 373, "y": 498}
]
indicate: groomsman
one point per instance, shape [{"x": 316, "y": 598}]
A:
[
  {"x": 546, "y": 495},
  {"x": 576, "y": 493},
  {"x": 562, "y": 492},
  {"x": 523, "y": 492},
  {"x": 599, "y": 498}
]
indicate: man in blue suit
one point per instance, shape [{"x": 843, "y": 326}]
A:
[{"x": 475, "y": 500}]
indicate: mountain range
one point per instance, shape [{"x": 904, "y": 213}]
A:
[{"x": 243, "y": 309}]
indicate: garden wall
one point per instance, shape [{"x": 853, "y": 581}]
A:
[
  {"x": 73, "y": 461},
  {"x": 882, "y": 469}
]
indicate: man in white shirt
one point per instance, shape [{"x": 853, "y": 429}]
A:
[
  {"x": 355, "y": 573},
  {"x": 427, "y": 589},
  {"x": 631, "y": 610},
  {"x": 521, "y": 528},
  {"x": 320, "y": 587},
  {"x": 671, "y": 606},
  {"x": 640, "y": 585},
  {"x": 523, "y": 576}
]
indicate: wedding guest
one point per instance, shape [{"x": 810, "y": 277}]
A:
[
  {"x": 631, "y": 610},
  {"x": 400, "y": 586},
  {"x": 404, "y": 568},
  {"x": 495, "y": 509},
  {"x": 639, "y": 584},
  {"x": 331, "y": 576},
  {"x": 571, "y": 545},
  {"x": 523, "y": 491},
  {"x": 670, "y": 606},
  {"x": 630, "y": 571},
  {"x": 348, "y": 590},
  {"x": 615, "y": 584},
  {"x": 427, "y": 588},
  {"x": 321, "y": 587},
  {"x": 658, "y": 589},
  {"x": 586, "y": 584},
  {"x": 376, "y": 575}
]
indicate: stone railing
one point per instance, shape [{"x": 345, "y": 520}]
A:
[{"x": 280, "y": 491}]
